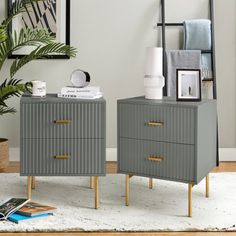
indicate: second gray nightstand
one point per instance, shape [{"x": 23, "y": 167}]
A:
[
  {"x": 62, "y": 137},
  {"x": 168, "y": 140}
]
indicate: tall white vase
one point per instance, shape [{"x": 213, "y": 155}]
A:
[
  {"x": 154, "y": 87},
  {"x": 153, "y": 79}
]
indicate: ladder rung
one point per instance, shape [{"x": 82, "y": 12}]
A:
[
  {"x": 207, "y": 80},
  {"x": 170, "y": 24},
  {"x": 206, "y": 51}
]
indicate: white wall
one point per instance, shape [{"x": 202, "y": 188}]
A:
[
  {"x": 111, "y": 37},
  {"x": 226, "y": 71}
]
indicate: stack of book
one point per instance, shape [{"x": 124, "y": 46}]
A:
[
  {"x": 18, "y": 209},
  {"x": 88, "y": 92}
]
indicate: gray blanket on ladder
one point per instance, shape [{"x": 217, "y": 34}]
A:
[
  {"x": 197, "y": 36},
  {"x": 180, "y": 59}
]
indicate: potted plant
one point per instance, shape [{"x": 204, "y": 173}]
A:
[{"x": 44, "y": 45}]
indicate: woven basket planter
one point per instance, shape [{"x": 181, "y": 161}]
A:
[{"x": 4, "y": 153}]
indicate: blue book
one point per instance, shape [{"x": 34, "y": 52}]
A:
[{"x": 16, "y": 218}]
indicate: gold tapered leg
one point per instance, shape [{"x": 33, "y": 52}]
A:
[
  {"x": 127, "y": 190},
  {"x": 207, "y": 186},
  {"x": 190, "y": 186},
  {"x": 150, "y": 183},
  {"x": 91, "y": 182},
  {"x": 33, "y": 182},
  {"x": 96, "y": 191},
  {"x": 29, "y": 181}
]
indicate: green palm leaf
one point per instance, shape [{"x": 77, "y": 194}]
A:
[
  {"x": 26, "y": 37},
  {"x": 6, "y": 110},
  {"x": 3, "y": 33},
  {"x": 42, "y": 52},
  {"x": 9, "y": 89}
]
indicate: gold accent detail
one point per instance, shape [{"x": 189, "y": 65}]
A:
[
  {"x": 62, "y": 157},
  {"x": 155, "y": 123},
  {"x": 62, "y": 122},
  {"x": 29, "y": 195},
  {"x": 127, "y": 177},
  {"x": 207, "y": 186},
  {"x": 91, "y": 182},
  {"x": 190, "y": 186},
  {"x": 96, "y": 191},
  {"x": 155, "y": 158},
  {"x": 150, "y": 183},
  {"x": 33, "y": 182}
]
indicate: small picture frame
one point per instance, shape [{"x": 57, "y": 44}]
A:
[{"x": 188, "y": 85}]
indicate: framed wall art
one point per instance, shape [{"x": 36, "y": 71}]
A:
[
  {"x": 54, "y": 15},
  {"x": 188, "y": 86}
]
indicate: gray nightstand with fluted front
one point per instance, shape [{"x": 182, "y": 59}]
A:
[
  {"x": 62, "y": 137},
  {"x": 169, "y": 140}
]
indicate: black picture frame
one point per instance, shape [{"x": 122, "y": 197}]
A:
[
  {"x": 185, "y": 89},
  {"x": 67, "y": 32}
]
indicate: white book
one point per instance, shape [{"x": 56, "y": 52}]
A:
[
  {"x": 72, "y": 89},
  {"x": 80, "y": 96},
  {"x": 85, "y": 93}
]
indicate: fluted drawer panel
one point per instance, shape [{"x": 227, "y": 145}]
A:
[
  {"x": 177, "y": 122},
  {"x": 177, "y": 163},
  {"x": 87, "y": 157},
  {"x": 86, "y": 120}
]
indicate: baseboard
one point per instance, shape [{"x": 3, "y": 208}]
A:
[
  {"x": 226, "y": 154},
  {"x": 14, "y": 154},
  {"x": 111, "y": 154}
]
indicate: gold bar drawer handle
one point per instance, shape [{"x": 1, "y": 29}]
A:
[
  {"x": 155, "y": 158},
  {"x": 155, "y": 123},
  {"x": 62, "y": 157},
  {"x": 62, "y": 122}
]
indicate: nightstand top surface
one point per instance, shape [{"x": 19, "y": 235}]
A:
[
  {"x": 54, "y": 98},
  {"x": 165, "y": 101}
]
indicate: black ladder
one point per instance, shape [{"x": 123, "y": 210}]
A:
[{"x": 163, "y": 24}]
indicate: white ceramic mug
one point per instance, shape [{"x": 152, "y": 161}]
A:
[{"x": 38, "y": 88}]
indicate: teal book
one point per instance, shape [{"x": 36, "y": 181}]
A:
[{"x": 16, "y": 218}]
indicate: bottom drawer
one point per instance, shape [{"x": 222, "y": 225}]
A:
[
  {"x": 62, "y": 157},
  {"x": 156, "y": 159}
]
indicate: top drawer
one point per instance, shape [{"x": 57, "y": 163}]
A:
[
  {"x": 62, "y": 120},
  {"x": 157, "y": 122}
]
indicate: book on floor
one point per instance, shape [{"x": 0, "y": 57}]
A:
[
  {"x": 34, "y": 209},
  {"x": 16, "y": 218},
  {"x": 11, "y": 206}
]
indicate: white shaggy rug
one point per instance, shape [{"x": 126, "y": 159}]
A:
[{"x": 162, "y": 209}]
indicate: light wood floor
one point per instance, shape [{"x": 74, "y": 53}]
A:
[{"x": 111, "y": 168}]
